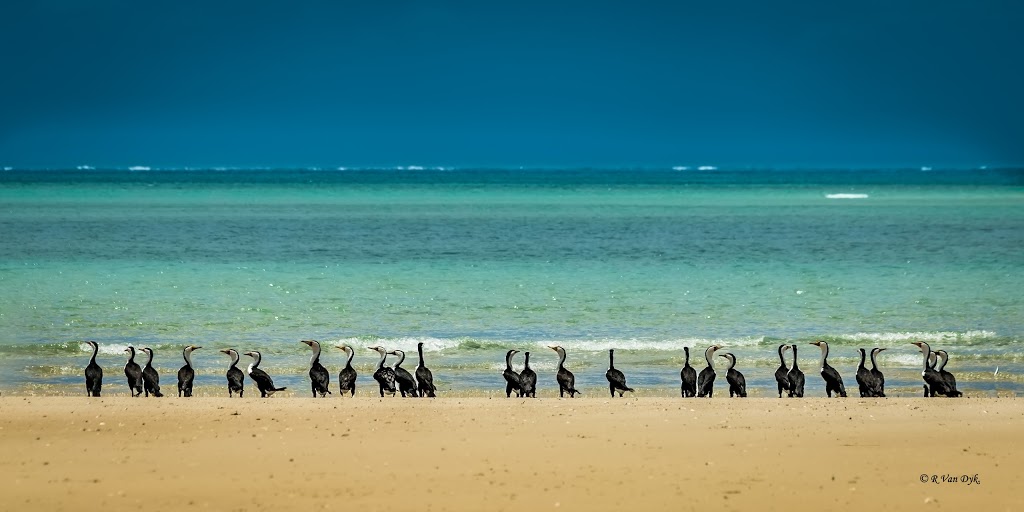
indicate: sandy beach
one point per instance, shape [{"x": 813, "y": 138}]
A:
[{"x": 121, "y": 453}]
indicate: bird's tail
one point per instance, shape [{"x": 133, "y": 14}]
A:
[
  {"x": 284, "y": 388},
  {"x": 157, "y": 393},
  {"x": 630, "y": 390}
]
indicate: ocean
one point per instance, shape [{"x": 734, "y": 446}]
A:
[{"x": 473, "y": 262}]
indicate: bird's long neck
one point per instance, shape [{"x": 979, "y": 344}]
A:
[
  {"x": 351, "y": 354},
  {"x": 874, "y": 352},
  {"x": 611, "y": 359},
  {"x": 943, "y": 357},
  {"x": 131, "y": 355},
  {"x": 383, "y": 356},
  {"x": 709, "y": 356},
  {"x": 781, "y": 358},
  {"x": 526, "y": 364},
  {"x": 187, "y": 354},
  {"x": 316, "y": 354},
  {"x": 862, "y": 354},
  {"x": 256, "y": 363},
  {"x": 794, "y": 358},
  {"x": 508, "y": 360},
  {"x": 732, "y": 362},
  {"x": 234, "y": 358},
  {"x": 561, "y": 359},
  {"x": 419, "y": 349},
  {"x": 687, "y": 351},
  {"x": 401, "y": 358},
  {"x": 824, "y": 354},
  {"x": 927, "y": 351},
  {"x": 95, "y": 350},
  {"x": 149, "y": 358}
]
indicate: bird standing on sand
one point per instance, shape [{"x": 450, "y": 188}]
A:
[
  {"x": 878, "y": 380},
  {"x": 133, "y": 372},
  {"x": 782, "y": 373},
  {"x": 319, "y": 377},
  {"x": 93, "y": 372},
  {"x": 424, "y": 379},
  {"x": 512, "y": 382},
  {"x": 796, "y": 378},
  {"x": 406, "y": 384},
  {"x": 150, "y": 377},
  {"x": 833, "y": 381},
  {"x": 864, "y": 378},
  {"x": 384, "y": 375},
  {"x": 688, "y": 376},
  {"x": 236, "y": 379},
  {"x": 616, "y": 379},
  {"x": 528, "y": 379},
  {"x": 566, "y": 380},
  {"x": 347, "y": 375},
  {"x": 262, "y": 379},
  {"x": 706, "y": 378},
  {"x": 186, "y": 374},
  {"x": 947, "y": 377},
  {"x": 737, "y": 383}
]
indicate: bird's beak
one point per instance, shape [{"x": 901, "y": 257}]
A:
[
  {"x": 307, "y": 342},
  {"x": 225, "y": 352},
  {"x": 196, "y": 348},
  {"x": 881, "y": 349},
  {"x": 339, "y": 347}
]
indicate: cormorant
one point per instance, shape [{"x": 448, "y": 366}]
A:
[
  {"x": 864, "y": 378},
  {"x": 150, "y": 377},
  {"x": 133, "y": 371},
  {"x": 933, "y": 382},
  {"x": 688, "y": 376},
  {"x": 616, "y": 380},
  {"x": 706, "y": 379},
  {"x": 737, "y": 383},
  {"x": 384, "y": 375},
  {"x": 236, "y": 379},
  {"x": 186, "y": 374},
  {"x": 796, "y": 378},
  {"x": 347, "y": 375},
  {"x": 565, "y": 378},
  {"x": 319, "y": 377},
  {"x": 946, "y": 376},
  {"x": 512, "y": 382},
  {"x": 833, "y": 381},
  {"x": 406, "y": 384},
  {"x": 528, "y": 379},
  {"x": 782, "y": 373},
  {"x": 262, "y": 379},
  {"x": 424, "y": 379},
  {"x": 879, "y": 379},
  {"x": 93, "y": 372}
]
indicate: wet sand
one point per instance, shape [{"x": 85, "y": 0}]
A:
[{"x": 120, "y": 453}]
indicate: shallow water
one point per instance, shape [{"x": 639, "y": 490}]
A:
[{"x": 473, "y": 262}]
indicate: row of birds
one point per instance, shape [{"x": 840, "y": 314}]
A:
[{"x": 395, "y": 379}]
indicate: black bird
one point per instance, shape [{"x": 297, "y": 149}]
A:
[
  {"x": 737, "y": 383},
  {"x": 864, "y": 378},
  {"x": 150, "y": 377},
  {"x": 616, "y": 379},
  {"x": 833, "y": 381},
  {"x": 236, "y": 379},
  {"x": 566, "y": 380},
  {"x": 512, "y": 382},
  {"x": 932, "y": 361},
  {"x": 424, "y": 379},
  {"x": 796, "y": 378},
  {"x": 319, "y": 377},
  {"x": 133, "y": 372},
  {"x": 384, "y": 376},
  {"x": 262, "y": 379},
  {"x": 406, "y": 384},
  {"x": 347, "y": 375},
  {"x": 706, "y": 379},
  {"x": 186, "y": 374},
  {"x": 688, "y": 376},
  {"x": 876, "y": 374},
  {"x": 93, "y": 372},
  {"x": 782, "y": 373},
  {"x": 949, "y": 379},
  {"x": 528, "y": 379}
]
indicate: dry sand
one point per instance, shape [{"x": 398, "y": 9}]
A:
[{"x": 121, "y": 453}]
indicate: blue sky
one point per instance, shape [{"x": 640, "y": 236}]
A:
[{"x": 730, "y": 83}]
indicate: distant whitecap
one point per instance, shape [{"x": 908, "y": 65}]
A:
[
  {"x": 846, "y": 196},
  {"x": 707, "y": 168},
  {"x": 680, "y": 168},
  {"x": 139, "y": 168}
]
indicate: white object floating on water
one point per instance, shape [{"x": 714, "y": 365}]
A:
[
  {"x": 799, "y": 292},
  {"x": 707, "y": 168},
  {"x": 139, "y": 168},
  {"x": 846, "y": 196},
  {"x": 680, "y": 168},
  {"x": 926, "y": 168}
]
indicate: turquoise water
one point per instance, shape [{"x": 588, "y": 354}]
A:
[{"x": 473, "y": 262}]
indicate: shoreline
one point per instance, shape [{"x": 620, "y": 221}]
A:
[{"x": 472, "y": 453}]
